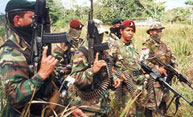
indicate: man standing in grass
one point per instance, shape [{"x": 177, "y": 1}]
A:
[
  {"x": 155, "y": 48},
  {"x": 128, "y": 65}
]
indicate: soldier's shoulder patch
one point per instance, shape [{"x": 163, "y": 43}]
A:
[
  {"x": 144, "y": 48},
  {"x": 75, "y": 61}
]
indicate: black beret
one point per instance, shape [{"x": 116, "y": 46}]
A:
[{"x": 20, "y": 5}]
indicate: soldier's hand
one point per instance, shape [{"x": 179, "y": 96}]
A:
[
  {"x": 117, "y": 83},
  {"x": 98, "y": 64},
  {"x": 47, "y": 64},
  {"x": 123, "y": 77},
  {"x": 162, "y": 70},
  {"x": 77, "y": 112}
]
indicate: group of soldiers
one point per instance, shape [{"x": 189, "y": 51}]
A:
[{"x": 90, "y": 86}]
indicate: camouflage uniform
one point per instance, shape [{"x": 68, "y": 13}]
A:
[
  {"x": 65, "y": 52},
  {"x": 18, "y": 81},
  {"x": 157, "y": 48},
  {"x": 88, "y": 81},
  {"x": 84, "y": 75},
  {"x": 127, "y": 60},
  {"x": 117, "y": 94},
  {"x": 111, "y": 38},
  {"x": 61, "y": 51}
]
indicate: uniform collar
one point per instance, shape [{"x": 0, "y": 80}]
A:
[
  {"x": 128, "y": 43},
  {"x": 21, "y": 43},
  {"x": 124, "y": 44}
]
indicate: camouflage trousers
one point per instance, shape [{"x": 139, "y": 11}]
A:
[{"x": 153, "y": 99}]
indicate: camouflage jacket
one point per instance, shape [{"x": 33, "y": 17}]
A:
[
  {"x": 127, "y": 60},
  {"x": 111, "y": 38},
  {"x": 160, "y": 50},
  {"x": 18, "y": 81},
  {"x": 60, "y": 50},
  {"x": 84, "y": 76}
]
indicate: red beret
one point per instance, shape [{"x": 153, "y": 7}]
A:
[
  {"x": 128, "y": 23},
  {"x": 76, "y": 24}
]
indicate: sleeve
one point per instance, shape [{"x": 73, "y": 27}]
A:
[
  {"x": 113, "y": 52},
  {"x": 147, "y": 55},
  {"x": 59, "y": 51},
  {"x": 16, "y": 80},
  {"x": 81, "y": 70}
]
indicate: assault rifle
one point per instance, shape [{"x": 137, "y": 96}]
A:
[
  {"x": 158, "y": 77},
  {"x": 42, "y": 36},
  {"x": 95, "y": 44},
  {"x": 176, "y": 73}
]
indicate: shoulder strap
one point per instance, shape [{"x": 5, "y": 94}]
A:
[{"x": 11, "y": 44}]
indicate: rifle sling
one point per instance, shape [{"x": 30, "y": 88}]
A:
[{"x": 165, "y": 113}]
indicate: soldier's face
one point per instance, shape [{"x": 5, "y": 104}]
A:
[
  {"x": 127, "y": 33},
  {"x": 155, "y": 31},
  {"x": 116, "y": 25},
  {"x": 25, "y": 20}
]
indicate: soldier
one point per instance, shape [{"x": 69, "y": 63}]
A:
[
  {"x": 65, "y": 52},
  {"x": 128, "y": 68},
  {"x": 127, "y": 62},
  {"x": 62, "y": 51},
  {"x": 154, "y": 47},
  {"x": 88, "y": 80},
  {"x": 19, "y": 82},
  {"x": 114, "y": 31}
]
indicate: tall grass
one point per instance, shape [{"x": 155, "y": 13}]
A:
[{"x": 180, "y": 39}]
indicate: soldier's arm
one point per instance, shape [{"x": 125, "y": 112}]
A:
[
  {"x": 19, "y": 85},
  {"x": 81, "y": 70},
  {"x": 15, "y": 77},
  {"x": 113, "y": 52},
  {"x": 59, "y": 51}
]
